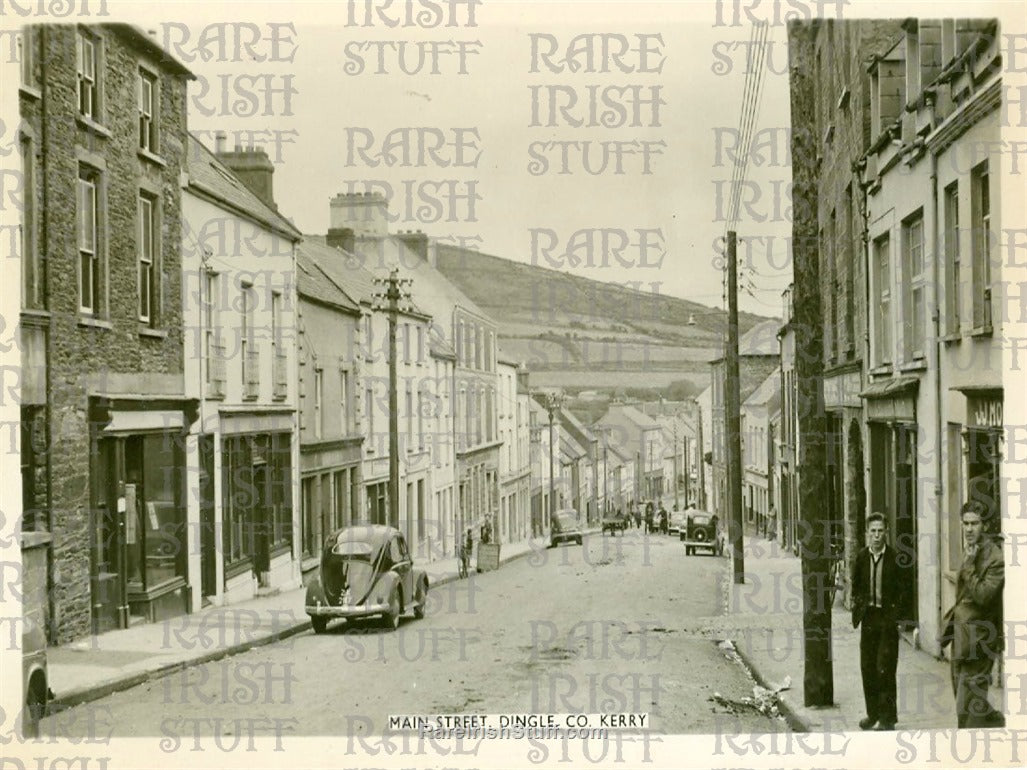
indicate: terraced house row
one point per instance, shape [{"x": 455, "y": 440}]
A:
[
  {"x": 903, "y": 207},
  {"x": 205, "y": 388}
]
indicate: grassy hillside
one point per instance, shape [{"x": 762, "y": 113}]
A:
[{"x": 581, "y": 333}]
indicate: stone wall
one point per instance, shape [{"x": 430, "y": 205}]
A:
[{"x": 83, "y": 352}]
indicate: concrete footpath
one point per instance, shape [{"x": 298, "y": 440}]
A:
[
  {"x": 116, "y": 660},
  {"x": 764, "y": 620}
]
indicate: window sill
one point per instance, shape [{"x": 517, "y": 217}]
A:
[
  {"x": 981, "y": 331},
  {"x": 951, "y": 337},
  {"x": 30, "y": 315},
  {"x": 91, "y": 125},
  {"x": 30, "y": 92},
  {"x": 884, "y": 368},
  {"x": 917, "y": 365},
  {"x": 238, "y": 568},
  {"x": 152, "y": 157},
  {"x": 279, "y": 397},
  {"x": 94, "y": 323},
  {"x": 156, "y": 334},
  {"x": 250, "y": 399}
]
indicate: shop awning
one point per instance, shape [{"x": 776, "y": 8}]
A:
[{"x": 893, "y": 387}]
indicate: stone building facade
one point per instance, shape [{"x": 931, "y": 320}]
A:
[
  {"x": 103, "y": 141},
  {"x": 836, "y": 55}
]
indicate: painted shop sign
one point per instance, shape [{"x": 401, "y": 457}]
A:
[{"x": 984, "y": 411}]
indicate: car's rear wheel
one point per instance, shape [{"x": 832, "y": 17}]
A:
[
  {"x": 689, "y": 550},
  {"x": 390, "y": 619},
  {"x": 319, "y": 623},
  {"x": 578, "y": 540},
  {"x": 35, "y": 706},
  {"x": 552, "y": 543},
  {"x": 419, "y": 599}
]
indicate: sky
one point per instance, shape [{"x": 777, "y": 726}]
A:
[{"x": 544, "y": 114}]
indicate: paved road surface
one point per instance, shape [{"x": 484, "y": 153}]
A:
[{"x": 622, "y": 624}]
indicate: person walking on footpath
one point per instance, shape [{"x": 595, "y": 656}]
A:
[
  {"x": 879, "y": 599},
  {"x": 973, "y": 625}
]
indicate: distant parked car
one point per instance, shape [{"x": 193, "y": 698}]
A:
[
  {"x": 35, "y": 678},
  {"x": 678, "y": 521},
  {"x": 564, "y": 528},
  {"x": 614, "y": 522},
  {"x": 365, "y": 571},
  {"x": 702, "y": 531}
]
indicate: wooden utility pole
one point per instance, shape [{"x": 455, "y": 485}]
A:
[
  {"x": 701, "y": 462},
  {"x": 732, "y": 418},
  {"x": 394, "y": 293},
  {"x": 818, "y": 677}
]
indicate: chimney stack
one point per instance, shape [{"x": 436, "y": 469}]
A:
[
  {"x": 254, "y": 169},
  {"x": 367, "y": 214},
  {"x": 417, "y": 242},
  {"x": 341, "y": 238}
]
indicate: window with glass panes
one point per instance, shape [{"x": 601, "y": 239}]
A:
[
  {"x": 149, "y": 98},
  {"x": 952, "y": 276},
  {"x": 914, "y": 285},
  {"x": 981, "y": 223},
  {"x": 88, "y": 73},
  {"x": 89, "y": 229},
  {"x": 882, "y": 314},
  {"x": 148, "y": 251}
]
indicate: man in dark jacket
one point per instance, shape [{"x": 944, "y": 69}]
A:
[
  {"x": 974, "y": 624},
  {"x": 879, "y": 604}
]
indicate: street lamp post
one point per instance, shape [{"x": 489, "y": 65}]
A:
[{"x": 553, "y": 402}]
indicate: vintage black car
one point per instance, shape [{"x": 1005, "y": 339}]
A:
[
  {"x": 366, "y": 570},
  {"x": 614, "y": 522},
  {"x": 701, "y": 531},
  {"x": 564, "y": 528}
]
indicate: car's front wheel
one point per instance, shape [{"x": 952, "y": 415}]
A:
[
  {"x": 319, "y": 623},
  {"x": 578, "y": 540},
  {"x": 391, "y": 618}
]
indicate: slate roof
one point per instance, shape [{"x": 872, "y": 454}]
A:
[
  {"x": 316, "y": 265},
  {"x": 760, "y": 340},
  {"x": 768, "y": 391},
  {"x": 208, "y": 174}
]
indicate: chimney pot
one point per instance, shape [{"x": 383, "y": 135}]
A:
[{"x": 220, "y": 138}]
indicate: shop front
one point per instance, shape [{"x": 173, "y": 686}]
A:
[
  {"x": 138, "y": 543},
  {"x": 893, "y": 432}
]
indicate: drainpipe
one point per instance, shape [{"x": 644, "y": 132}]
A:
[
  {"x": 43, "y": 247},
  {"x": 939, "y": 424}
]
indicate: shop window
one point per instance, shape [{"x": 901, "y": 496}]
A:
[
  {"x": 311, "y": 544},
  {"x": 154, "y": 514}
]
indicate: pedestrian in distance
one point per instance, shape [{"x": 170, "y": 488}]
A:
[
  {"x": 880, "y": 595},
  {"x": 772, "y": 524},
  {"x": 973, "y": 625}
]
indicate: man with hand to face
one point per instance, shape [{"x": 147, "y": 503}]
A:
[
  {"x": 974, "y": 623},
  {"x": 879, "y": 603}
]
